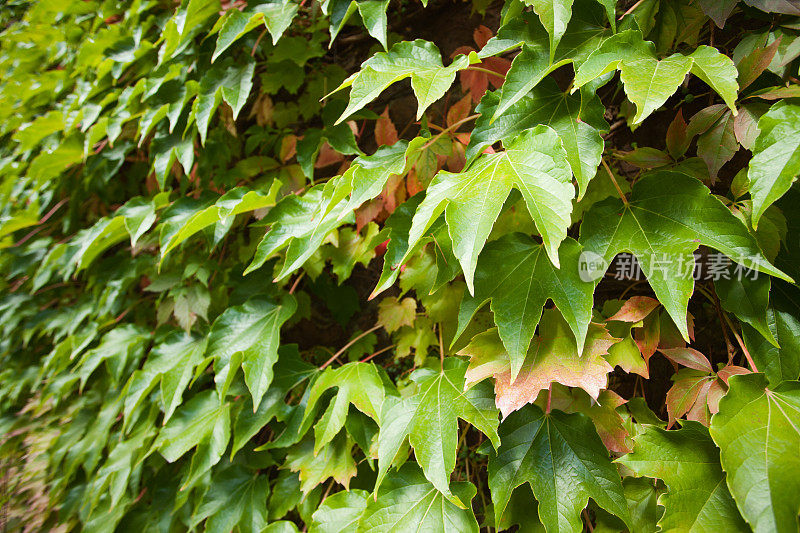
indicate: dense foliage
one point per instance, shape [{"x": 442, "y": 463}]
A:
[{"x": 254, "y": 280}]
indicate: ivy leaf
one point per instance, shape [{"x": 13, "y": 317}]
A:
[
  {"x": 748, "y": 299},
  {"x": 648, "y": 81},
  {"x": 688, "y": 462},
  {"x": 373, "y": 14},
  {"x": 296, "y": 223},
  {"x": 578, "y": 121},
  {"x": 534, "y": 163},
  {"x": 248, "y": 335},
  {"x": 358, "y": 384},
  {"x": 368, "y": 175},
  {"x": 515, "y": 274},
  {"x": 429, "y": 419},
  {"x": 552, "y": 358},
  {"x": 757, "y": 433},
  {"x": 170, "y": 364},
  {"x": 554, "y": 15},
  {"x": 564, "y": 461},
  {"x": 668, "y": 216},
  {"x": 232, "y": 203},
  {"x": 394, "y": 314},
  {"x": 340, "y": 512},
  {"x": 229, "y": 81},
  {"x": 407, "y": 502},
  {"x": 777, "y": 363},
  {"x": 776, "y": 157},
  {"x": 420, "y": 60},
  {"x": 237, "y": 496},
  {"x": 276, "y": 17},
  {"x": 583, "y": 35},
  {"x": 193, "y": 423},
  {"x": 333, "y": 460}
]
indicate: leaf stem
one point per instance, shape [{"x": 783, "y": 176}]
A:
[
  {"x": 346, "y": 346},
  {"x": 486, "y": 71},
  {"x": 450, "y": 128},
  {"x": 614, "y": 181},
  {"x": 441, "y": 346}
]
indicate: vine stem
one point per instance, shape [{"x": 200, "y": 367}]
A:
[
  {"x": 296, "y": 282},
  {"x": 614, "y": 181},
  {"x": 739, "y": 340},
  {"x": 450, "y": 128},
  {"x": 375, "y": 354},
  {"x": 346, "y": 346}
]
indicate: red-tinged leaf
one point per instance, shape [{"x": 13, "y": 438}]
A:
[
  {"x": 368, "y": 213},
  {"x": 648, "y": 336},
  {"x": 385, "y": 131},
  {"x": 553, "y": 358},
  {"x": 603, "y": 412},
  {"x": 755, "y": 63},
  {"x": 718, "y": 144},
  {"x": 688, "y": 357},
  {"x": 288, "y": 147},
  {"x": 482, "y": 34},
  {"x": 677, "y": 137},
  {"x": 327, "y": 156},
  {"x": 684, "y": 392},
  {"x": 457, "y": 158},
  {"x": 699, "y": 412},
  {"x": 463, "y": 138},
  {"x": 392, "y": 194},
  {"x": 413, "y": 186},
  {"x": 731, "y": 370},
  {"x": 715, "y": 394},
  {"x": 704, "y": 119},
  {"x": 499, "y": 65},
  {"x": 635, "y": 309},
  {"x": 745, "y": 125},
  {"x": 459, "y": 111},
  {"x": 777, "y": 93}
]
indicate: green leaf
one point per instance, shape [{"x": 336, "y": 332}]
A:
[
  {"x": 276, "y": 17},
  {"x": 193, "y": 423},
  {"x": 748, "y": 299},
  {"x": 583, "y": 35},
  {"x": 227, "y": 80},
  {"x": 358, "y": 384},
  {"x": 776, "y": 157},
  {"x": 554, "y": 15},
  {"x": 171, "y": 364},
  {"x": 420, "y": 60},
  {"x": 248, "y": 335},
  {"x": 234, "y": 202},
  {"x": 333, "y": 460},
  {"x": 783, "y": 323},
  {"x": 236, "y": 497},
  {"x": 516, "y": 276},
  {"x": 578, "y": 121},
  {"x": 429, "y": 419},
  {"x": 534, "y": 163},
  {"x": 293, "y": 223},
  {"x": 407, "y": 502},
  {"x": 686, "y": 460},
  {"x": 648, "y": 81},
  {"x": 373, "y": 14},
  {"x": 668, "y": 216},
  {"x": 340, "y": 512},
  {"x": 757, "y": 432},
  {"x": 564, "y": 461}
]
